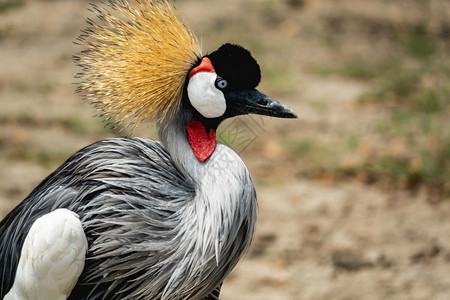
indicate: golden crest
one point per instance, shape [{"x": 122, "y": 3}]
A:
[{"x": 136, "y": 60}]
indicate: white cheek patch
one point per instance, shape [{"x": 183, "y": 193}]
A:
[{"x": 204, "y": 96}]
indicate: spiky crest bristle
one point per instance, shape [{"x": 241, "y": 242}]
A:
[{"x": 136, "y": 58}]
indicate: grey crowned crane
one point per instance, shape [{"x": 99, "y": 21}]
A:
[{"x": 130, "y": 218}]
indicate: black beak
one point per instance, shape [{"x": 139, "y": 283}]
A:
[{"x": 242, "y": 101}]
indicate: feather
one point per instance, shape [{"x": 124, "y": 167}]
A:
[{"x": 136, "y": 58}]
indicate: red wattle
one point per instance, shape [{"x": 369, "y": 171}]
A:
[{"x": 202, "y": 143}]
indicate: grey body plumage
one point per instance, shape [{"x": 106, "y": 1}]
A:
[{"x": 152, "y": 233}]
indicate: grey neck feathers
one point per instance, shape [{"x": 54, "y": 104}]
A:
[
  {"x": 174, "y": 138},
  {"x": 222, "y": 216}
]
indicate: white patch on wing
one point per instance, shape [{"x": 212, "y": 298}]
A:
[
  {"x": 52, "y": 258},
  {"x": 204, "y": 96}
]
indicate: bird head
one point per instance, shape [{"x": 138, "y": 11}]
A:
[
  {"x": 223, "y": 85},
  {"x": 142, "y": 62}
]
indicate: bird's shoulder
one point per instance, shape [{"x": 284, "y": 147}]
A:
[{"x": 122, "y": 163}]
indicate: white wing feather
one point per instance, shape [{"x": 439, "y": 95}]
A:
[{"x": 52, "y": 258}]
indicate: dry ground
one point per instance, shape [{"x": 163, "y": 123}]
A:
[{"x": 336, "y": 221}]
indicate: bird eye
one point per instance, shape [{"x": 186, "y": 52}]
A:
[{"x": 221, "y": 83}]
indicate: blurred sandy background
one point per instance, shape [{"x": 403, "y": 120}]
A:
[{"x": 353, "y": 195}]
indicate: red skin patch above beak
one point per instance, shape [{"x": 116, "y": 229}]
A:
[
  {"x": 204, "y": 66},
  {"x": 202, "y": 143}
]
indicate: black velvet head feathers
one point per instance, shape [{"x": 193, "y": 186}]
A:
[{"x": 236, "y": 65}]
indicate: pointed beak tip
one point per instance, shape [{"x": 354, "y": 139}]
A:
[
  {"x": 286, "y": 113},
  {"x": 293, "y": 116},
  {"x": 281, "y": 111},
  {"x": 289, "y": 115}
]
